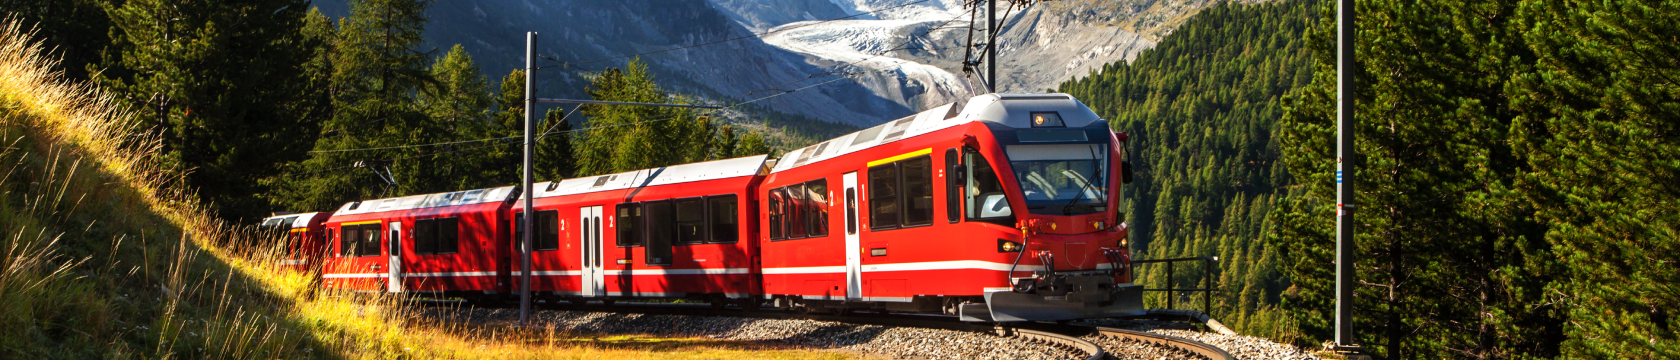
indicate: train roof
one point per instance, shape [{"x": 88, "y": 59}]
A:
[
  {"x": 674, "y": 174},
  {"x": 1011, "y": 110},
  {"x": 456, "y": 198},
  {"x": 294, "y": 220}
]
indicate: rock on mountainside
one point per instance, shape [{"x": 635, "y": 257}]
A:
[{"x": 761, "y": 15}]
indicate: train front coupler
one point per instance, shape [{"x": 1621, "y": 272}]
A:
[{"x": 1051, "y": 295}]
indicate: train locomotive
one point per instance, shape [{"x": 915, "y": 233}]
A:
[{"x": 1001, "y": 208}]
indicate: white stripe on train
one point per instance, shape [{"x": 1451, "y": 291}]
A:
[{"x": 917, "y": 266}]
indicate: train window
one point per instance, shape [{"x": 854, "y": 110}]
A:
[
  {"x": 425, "y": 236},
  {"x": 661, "y": 231},
  {"x": 629, "y": 224},
  {"x": 344, "y": 243},
  {"x": 724, "y": 218},
  {"x": 953, "y": 190},
  {"x": 518, "y": 240},
  {"x": 350, "y": 244},
  {"x": 883, "y": 197},
  {"x": 794, "y": 222},
  {"x": 370, "y": 241},
  {"x": 353, "y": 236},
  {"x": 816, "y": 215},
  {"x": 338, "y": 244},
  {"x": 548, "y": 230},
  {"x": 449, "y": 236},
  {"x": 691, "y": 221},
  {"x": 851, "y": 211},
  {"x": 776, "y": 214},
  {"x": 917, "y": 173},
  {"x": 984, "y": 192},
  {"x": 341, "y": 246}
]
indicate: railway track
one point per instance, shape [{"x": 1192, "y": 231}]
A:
[
  {"x": 1199, "y": 348},
  {"x": 1067, "y": 338}
]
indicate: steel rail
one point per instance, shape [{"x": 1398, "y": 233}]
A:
[
  {"x": 1200, "y": 348},
  {"x": 1092, "y": 351}
]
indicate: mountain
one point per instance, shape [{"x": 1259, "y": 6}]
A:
[
  {"x": 885, "y": 59},
  {"x": 579, "y": 37},
  {"x": 913, "y": 49}
]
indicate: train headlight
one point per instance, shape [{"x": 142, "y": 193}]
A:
[
  {"x": 1121, "y": 244},
  {"x": 1008, "y": 246}
]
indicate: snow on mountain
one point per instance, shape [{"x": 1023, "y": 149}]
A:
[{"x": 911, "y": 51}]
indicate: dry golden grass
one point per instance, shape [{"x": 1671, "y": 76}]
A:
[{"x": 107, "y": 256}]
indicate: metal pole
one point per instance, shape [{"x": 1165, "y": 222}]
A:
[
  {"x": 1207, "y": 287},
  {"x": 1170, "y": 292},
  {"x": 1346, "y": 66},
  {"x": 991, "y": 46},
  {"x": 525, "y": 181}
]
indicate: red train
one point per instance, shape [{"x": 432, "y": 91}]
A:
[{"x": 1006, "y": 209}]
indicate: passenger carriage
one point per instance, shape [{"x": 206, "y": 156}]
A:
[
  {"x": 304, "y": 238},
  {"x": 681, "y": 231},
  {"x": 955, "y": 210},
  {"x": 447, "y": 243}
]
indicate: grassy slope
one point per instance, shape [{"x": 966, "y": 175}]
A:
[{"x": 104, "y": 256}]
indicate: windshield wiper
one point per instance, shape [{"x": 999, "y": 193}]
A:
[{"x": 1068, "y": 210}]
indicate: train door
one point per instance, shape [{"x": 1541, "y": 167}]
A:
[
  {"x": 396, "y": 282},
  {"x": 594, "y": 276},
  {"x": 854, "y": 257}
]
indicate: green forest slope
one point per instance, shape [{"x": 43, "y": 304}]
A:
[
  {"x": 1202, "y": 108},
  {"x": 1517, "y": 174}
]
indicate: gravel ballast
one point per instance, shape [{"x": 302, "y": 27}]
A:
[
  {"x": 1125, "y": 349},
  {"x": 1242, "y": 346},
  {"x": 875, "y": 340},
  {"x": 1239, "y": 346}
]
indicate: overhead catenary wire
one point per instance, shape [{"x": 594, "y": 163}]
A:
[
  {"x": 478, "y": 148},
  {"x": 410, "y": 146}
]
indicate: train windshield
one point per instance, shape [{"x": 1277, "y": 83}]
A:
[{"x": 1061, "y": 179}]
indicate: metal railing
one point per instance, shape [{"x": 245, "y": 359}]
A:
[{"x": 1172, "y": 291}]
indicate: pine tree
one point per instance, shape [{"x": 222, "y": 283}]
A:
[
  {"x": 377, "y": 70},
  {"x": 459, "y": 104},
  {"x": 624, "y": 138},
  {"x": 1601, "y": 128},
  {"x": 225, "y": 84},
  {"x": 76, "y": 31},
  {"x": 753, "y": 144},
  {"x": 727, "y": 142},
  {"x": 554, "y": 150},
  {"x": 1449, "y": 258}
]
